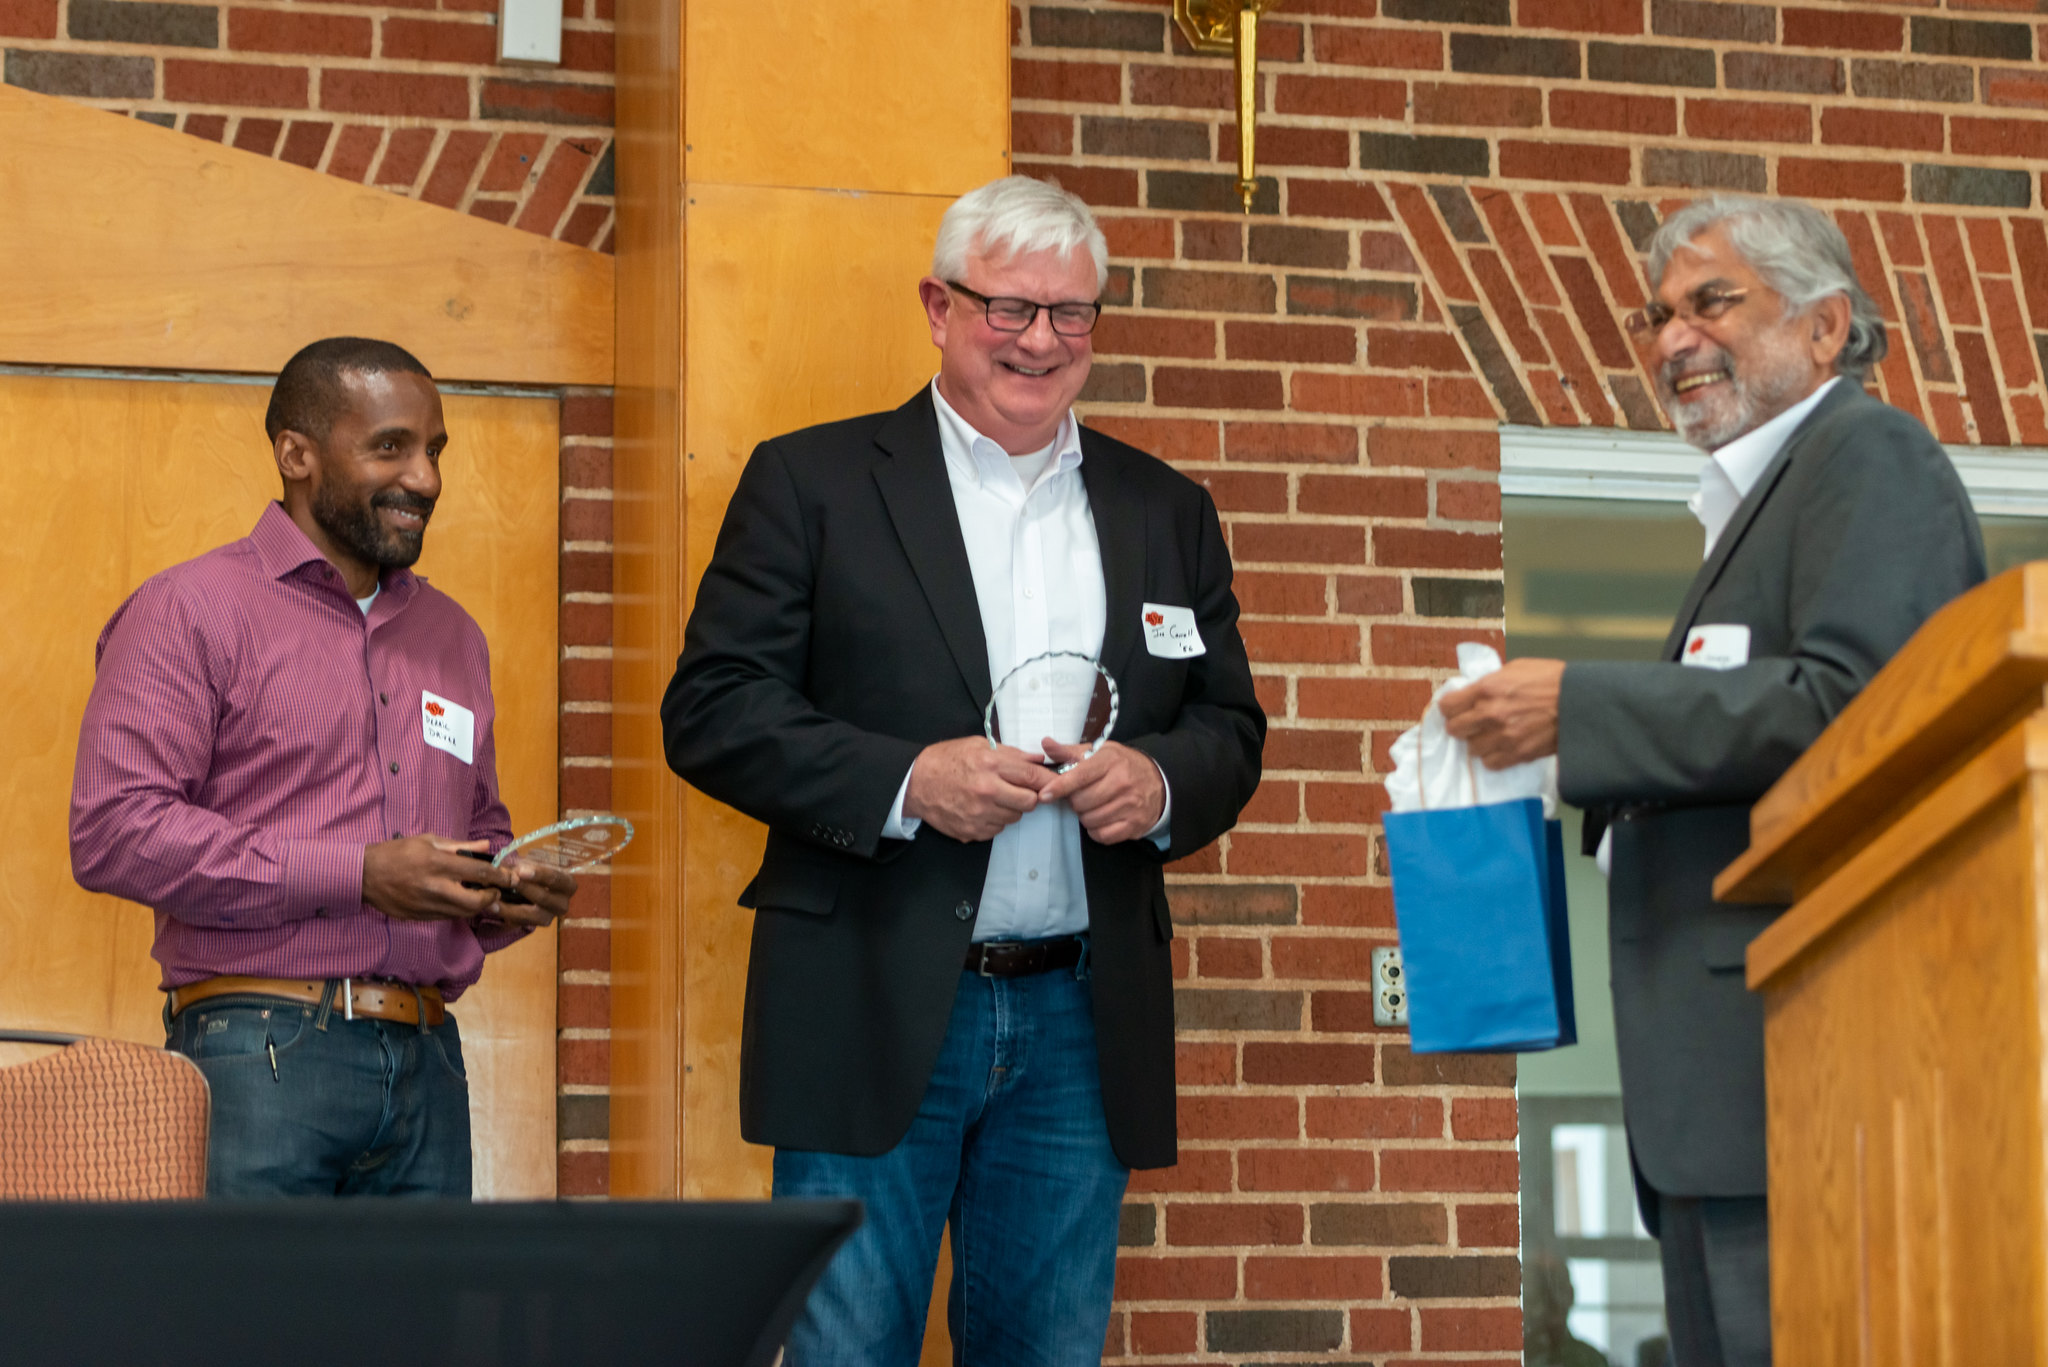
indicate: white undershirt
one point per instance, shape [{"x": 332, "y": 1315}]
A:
[
  {"x": 1037, "y": 566},
  {"x": 365, "y": 603}
]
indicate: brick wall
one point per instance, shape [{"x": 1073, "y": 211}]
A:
[
  {"x": 402, "y": 94},
  {"x": 1454, "y": 198}
]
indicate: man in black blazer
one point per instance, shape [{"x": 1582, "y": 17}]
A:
[
  {"x": 1835, "y": 526},
  {"x": 960, "y": 999}
]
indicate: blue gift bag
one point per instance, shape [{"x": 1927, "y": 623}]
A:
[{"x": 1485, "y": 947}]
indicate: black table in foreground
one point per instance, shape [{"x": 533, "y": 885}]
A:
[{"x": 442, "y": 1283}]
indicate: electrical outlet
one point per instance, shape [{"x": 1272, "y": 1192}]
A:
[{"x": 1389, "y": 987}]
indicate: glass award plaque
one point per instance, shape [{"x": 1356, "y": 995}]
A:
[
  {"x": 1061, "y": 695},
  {"x": 581, "y": 842}
]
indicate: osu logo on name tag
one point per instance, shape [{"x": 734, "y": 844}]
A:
[
  {"x": 1716, "y": 647},
  {"x": 1170, "y": 632},
  {"x": 448, "y": 726}
]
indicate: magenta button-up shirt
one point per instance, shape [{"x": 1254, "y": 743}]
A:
[{"x": 250, "y": 732}]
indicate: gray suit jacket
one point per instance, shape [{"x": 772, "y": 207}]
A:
[{"x": 1854, "y": 535}]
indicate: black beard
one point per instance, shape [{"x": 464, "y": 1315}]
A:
[{"x": 354, "y": 525}]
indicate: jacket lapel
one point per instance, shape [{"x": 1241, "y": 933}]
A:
[
  {"x": 920, "y": 501},
  {"x": 1745, "y": 513},
  {"x": 1120, "y": 532}
]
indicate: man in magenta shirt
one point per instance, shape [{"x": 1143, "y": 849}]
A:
[{"x": 289, "y": 755}]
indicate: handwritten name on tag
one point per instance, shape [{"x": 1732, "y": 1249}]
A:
[
  {"x": 1716, "y": 647},
  {"x": 1170, "y": 632},
  {"x": 448, "y": 725}
]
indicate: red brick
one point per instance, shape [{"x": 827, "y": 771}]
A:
[
  {"x": 1365, "y": 699},
  {"x": 1384, "y": 251},
  {"x": 1307, "y": 1065},
  {"x": 586, "y": 50},
  {"x": 1406, "y": 348},
  {"x": 583, "y": 1006},
  {"x": 1046, "y": 135},
  {"x": 1583, "y": 16},
  {"x": 1810, "y": 178},
  {"x": 512, "y": 163},
  {"x": 1427, "y": 234},
  {"x": 1470, "y": 1329},
  {"x": 28, "y": 18},
  {"x": 1345, "y": 804},
  {"x": 319, "y": 35},
  {"x": 1283, "y": 146},
  {"x": 426, "y": 40},
  {"x": 1951, "y": 269},
  {"x": 2013, "y": 87},
  {"x": 1182, "y": 387},
  {"x": 1893, "y": 128},
  {"x": 1382, "y": 1331},
  {"x": 1175, "y": 1279},
  {"x": 450, "y": 180},
  {"x": 1369, "y": 594},
  {"x": 586, "y": 1062},
  {"x": 1244, "y": 491},
  {"x": 1314, "y": 1278},
  {"x": 1219, "y": 956},
  {"x": 1385, "y": 396},
  {"x": 1387, "y": 1117},
  {"x": 1106, "y": 187},
  {"x": 1987, "y": 246},
  {"x": 1580, "y": 163},
  {"x": 1208, "y": 859},
  {"x": 1271, "y": 690},
  {"x": 259, "y": 135},
  {"x": 1448, "y": 1170},
  {"x": 1600, "y": 112},
  {"x": 1424, "y": 549},
  {"x": 1999, "y": 138},
  {"x": 244, "y": 84},
  {"x": 585, "y": 786},
  {"x": 587, "y": 733},
  {"x": 1129, "y": 334},
  {"x": 1277, "y": 595},
  {"x": 1300, "y": 642},
  {"x": 583, "y": 1174},
  {"x": 1496, "y": 1224},
  {"x": 1483, "y": 1118},
  {"x": 1748, "y": 121},
  {"x": 1468, "y": 500},
  {"x": 1317, "y": 1169},
  {"x": 547, "y": 101},
  {"x": 1322, "y": 957},
  {"x": 1364, "y": 496},
  {"x": 1211, "y": 1225},
  {"x": 1297, "y": 543},
  {"x": 1066, "y": 82},
  {"x": 1368, "y": 906},
  {"x": 586, "y": 519},
  {"x": 558, "y": 184},
  {"x": 404, "y": 94},
  {"x": 586, "y": 624},
  {"x": 354, "y": 151},
  {"x": 586, "y": 415},
  {"x": 1302, "y": 748},
  {"x": 1290, "y": 442},
  {"x": 586, "y": 681},
  {"x": 1137, "y": 237},
  {"x": 404, "y": 154},
  {"x": 1336, "y": 199},
  {"x": 1238, "y": 1117},
  {"x": 1437, "y": 450},
  {"x": 1180, "y": 440},
  {"x": 1385, "y": 49},
  {"x": 1197, "y": 1170},
  {"x": 1859, "y": 31},
  {"x": 1339, "y": 97},
  {"x": 593, "y": 899},
  {"x": 1183, "y": 87},
  {"x": 306, "y": 143},
  {"x": 1463, "y": 104},
  {"x": 1329, "y": 344},
  {"x": 1154, "y": 1331},
  {"x": 1307, "y": 856},
  {"x": 1426, "y": 647}
]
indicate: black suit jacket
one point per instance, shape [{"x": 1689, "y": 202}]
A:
[
  {"x": 836, "y": 634},
  {"x": 1851, "y": 538}
]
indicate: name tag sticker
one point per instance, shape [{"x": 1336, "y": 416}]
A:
[
  {"x": 1170, "y": 632},
  {"x": 1719, "y": 647},
  {"x": 448, "y": 725}
]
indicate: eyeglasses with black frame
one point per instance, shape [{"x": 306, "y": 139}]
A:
[
  {"x": 1072, "y": 319},
  {"x": 1706, "y": 304}
]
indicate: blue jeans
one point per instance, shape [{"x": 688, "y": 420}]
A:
[
  {"x": 1010, "y": 1149},
  {"x": 354, "y": 1108}
]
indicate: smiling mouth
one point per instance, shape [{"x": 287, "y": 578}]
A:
[
  {"x": 1027, "y": 371},
  {"x": 1687, "y": 383}
]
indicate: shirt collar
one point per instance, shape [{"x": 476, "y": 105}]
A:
[
  {"x": 981, "y": 460},
  {"x": 1745, "y": 459},
  {"x": 281, "y": 548}
]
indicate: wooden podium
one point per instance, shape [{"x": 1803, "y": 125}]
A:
[{"x": 1906, "y": 1003}]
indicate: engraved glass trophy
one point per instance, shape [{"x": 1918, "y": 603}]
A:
[
  {"x": 1061, "y": 695},
  {"x": 581, "y": 842}
]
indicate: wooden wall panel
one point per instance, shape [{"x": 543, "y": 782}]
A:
[
  {"x": 130, "y": 476},
  {"x": 210, "y": 258}
]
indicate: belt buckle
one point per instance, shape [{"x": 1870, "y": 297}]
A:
[{"x": 981, "y": 959}]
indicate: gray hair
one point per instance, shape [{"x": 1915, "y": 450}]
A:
[
  {"x": 1797, "y": 250},
  {"x": 1015, "y": 216}
]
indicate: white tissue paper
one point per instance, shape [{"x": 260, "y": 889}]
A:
[{"x": 1433, "y": 770}]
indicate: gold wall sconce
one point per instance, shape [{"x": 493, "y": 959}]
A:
[{"x": 1232, "y": 26}]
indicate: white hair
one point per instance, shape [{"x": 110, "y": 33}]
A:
[
  {"x": 1016, "y": 216},
  {"x": 1797, "y": 250}
]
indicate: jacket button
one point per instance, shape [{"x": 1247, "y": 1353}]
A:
[{"x": 963, "y": 911}]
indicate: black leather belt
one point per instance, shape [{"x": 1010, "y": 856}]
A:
[{"x": 1020, "y": 958}]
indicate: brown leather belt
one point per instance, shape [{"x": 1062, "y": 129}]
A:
[
  {"x": 1020, "y": 958},
  {"x": 353, "y": 997}
]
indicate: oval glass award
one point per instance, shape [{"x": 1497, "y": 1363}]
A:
[
  {"x": 1061, "y": 695},
  {"x": 581, "y": 842}
]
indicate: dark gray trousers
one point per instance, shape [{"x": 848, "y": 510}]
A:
[{"x": 1717, "y": 1279}]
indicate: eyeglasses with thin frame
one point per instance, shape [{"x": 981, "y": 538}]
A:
[
  {"x": 1706, "y": 304},
  {"x": 1073, "y": 319}
]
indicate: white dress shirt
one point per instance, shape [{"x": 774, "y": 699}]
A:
[
  {"x": 1726, "y": 478},
  {"x": 1037, "y": 569}
]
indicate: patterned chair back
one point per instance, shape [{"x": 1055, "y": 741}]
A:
[{"x": 101, "y": 1120}]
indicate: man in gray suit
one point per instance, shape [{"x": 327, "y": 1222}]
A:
[{"x": 1835, "y": 526}]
